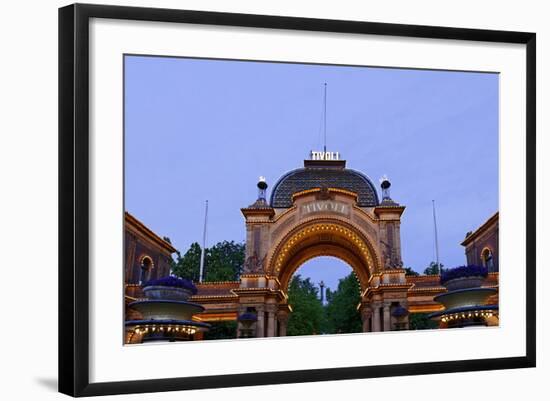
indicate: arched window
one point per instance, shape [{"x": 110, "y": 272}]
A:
[
  {"x": 487, "y": 259},
  {"x": 145, "y": 269}
]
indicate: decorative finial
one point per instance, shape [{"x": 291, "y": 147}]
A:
[
  {"x": 262, "y": 186},
  {"x": 385, "y": 184}
]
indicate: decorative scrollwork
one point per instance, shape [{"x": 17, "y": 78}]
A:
[{"x": 254, "y": 264}]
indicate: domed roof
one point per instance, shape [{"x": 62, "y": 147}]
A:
[{"x": 323, "y": 174}]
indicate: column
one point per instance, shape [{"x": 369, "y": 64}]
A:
[
  {"x": 366, "y": 317},
  {"x": 283, "y": 320},
  {"x": 376, "y": 318},
  {"x": 260, "y": 323},
  {"x": 271, "y": 324},
  {"x": 387, "y": 317}
]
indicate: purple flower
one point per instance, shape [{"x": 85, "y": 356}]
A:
[
  {"x": 463, "y": 271},
  {"x": 173, "y": 281},
  {"x": 248, "y": 317}
]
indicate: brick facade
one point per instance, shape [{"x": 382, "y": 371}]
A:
[{"x": 481, "y": 245}]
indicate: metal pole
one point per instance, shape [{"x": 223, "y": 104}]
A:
[
  {"x": 203, "y": 250},
  {"x": 436, "y": 241},
  {"x": 325, "y": 120}
]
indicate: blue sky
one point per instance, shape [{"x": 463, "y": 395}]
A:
[{"x": 206, "y": 129}]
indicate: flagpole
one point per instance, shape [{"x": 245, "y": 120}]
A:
[
  {"x": 325, "y": 119},
  {"x": 203, "y": 250},
  {"x": 436, "y": 240}
]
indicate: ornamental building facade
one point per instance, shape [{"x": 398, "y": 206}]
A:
[{"x": 323, "y": 209}]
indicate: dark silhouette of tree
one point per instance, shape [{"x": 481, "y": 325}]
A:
[
  {"x": 433, "y": 268},
  {"x": 410, "y": 272},
  {"x": 221, "y": 330},
  {"x": 307, "y": 312},
  {"x": 341, "y": 311},
  {"x": 222, "y": 262},
  {"x": 420, "y": 321},
  {"x": 187, "y": 266}
]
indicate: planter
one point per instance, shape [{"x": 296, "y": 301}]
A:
[
  {"x": 166, "y": 309},
  {"x": 160, "y": 292},
  {"x": 467, "y": 297},
  {"x": 463, "y": 283}
]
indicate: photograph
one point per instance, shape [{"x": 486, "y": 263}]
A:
[
  {"x": 275, "y": 200},
  {"x": 281, "y": 199}
]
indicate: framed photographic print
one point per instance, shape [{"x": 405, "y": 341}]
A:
[{"x": 250, "y": 199}]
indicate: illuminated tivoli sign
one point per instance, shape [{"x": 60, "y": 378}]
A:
[
  {"x": 325, "y": 206},
  {"x": 316, "y": 155}
]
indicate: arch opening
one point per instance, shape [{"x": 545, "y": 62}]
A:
[
  {"x": 323, "y": 294},
  {"x": 324, "y": 238},
  {"x": 146, "y": 265}
]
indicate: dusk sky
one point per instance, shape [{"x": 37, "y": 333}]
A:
[{"x": 206, "y": 129}]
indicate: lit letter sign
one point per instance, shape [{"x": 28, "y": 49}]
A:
[
  {"x": 316, "y": 155},
  {"x": 325, "y": 206}
]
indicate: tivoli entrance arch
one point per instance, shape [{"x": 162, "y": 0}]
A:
[{"x": 322, "y": 209}]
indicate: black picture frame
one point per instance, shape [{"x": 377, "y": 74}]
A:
[{"x": 74, "y": 193}]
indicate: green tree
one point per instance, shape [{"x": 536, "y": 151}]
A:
[
  {"x": 221, "y": 331},
  {"x": 222, "y": 262},
  {"x": 307, "y": 312},
  {"x": 410, "y": 272},
  {"x": 341, "y": 311},
  {"x": 187, "y": 266},
  {"x": 420, "y": 321},
  {"x": 433, "y": 268}
]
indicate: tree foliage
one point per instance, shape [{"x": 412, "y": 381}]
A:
[
  {"x": 433, "y": 268},
  {"x": 221, "y": 331},
  {"x": 307, "y": 312},
  {"x": 410, "y": 272},
  {"x": 222, "y": 262},
  {"x": 187, "y": 266},
  {"x": 341, "y": 311},
  {"x": 420, "y": 321}
]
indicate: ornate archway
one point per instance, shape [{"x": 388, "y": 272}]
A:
[
  {"x": 323, "y": 237},
  {"x": 323, "y": 209}
]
